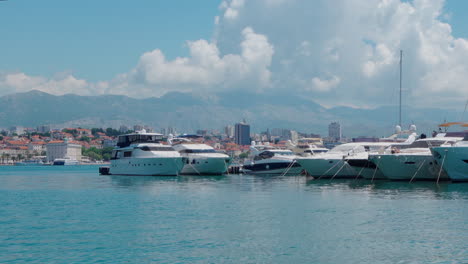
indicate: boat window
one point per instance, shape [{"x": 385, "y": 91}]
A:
[
  {"x": 320, "y": 151},
  {"x": 156, "y": 148},
  {"x": 127, "y": 140},
  {"x": 127, "y": 154},
  {"x": 198, "y": 151}
]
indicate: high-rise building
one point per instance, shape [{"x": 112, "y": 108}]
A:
[
  {"x": 242, "y": 134},
  {"x": 334, "y": 131},
  {"x": 229, "y": 131}
]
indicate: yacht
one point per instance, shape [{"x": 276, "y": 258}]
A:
[
  {"x": 143, "y": 153},
  {"x": 368, "y": 169},
  {"x": 201, "y": 159},
  {"x": 334, "y": 163},
  {"x": 413, "y": 161},
  {"x": 65, "y": 162},
  {"x": 268, "y": 160},
  {"x": 453, "y": 159}
]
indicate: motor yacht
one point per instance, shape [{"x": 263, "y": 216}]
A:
[
  {"x": 266, "y": 159},
  {"x": 143, "y": 153},
  {"x": 65, "y": 162},
  {"x": 453, "y": 159},
  {"x": 368, "y": 169},
  {"x": 201, "y": 159},
  {"x": 413, "y": 161}
]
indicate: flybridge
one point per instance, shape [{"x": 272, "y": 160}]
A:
[{"x": 127, "y": 140}]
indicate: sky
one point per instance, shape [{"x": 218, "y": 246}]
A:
[{"x": 342, "y": 52}]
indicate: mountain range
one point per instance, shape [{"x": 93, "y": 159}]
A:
[{"x": 188, "y": 112}]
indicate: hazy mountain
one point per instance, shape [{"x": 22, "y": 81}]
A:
[{"x": 189, "y": 112}]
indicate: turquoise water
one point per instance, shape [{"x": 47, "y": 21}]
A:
[{"x": 73, "y": 215}]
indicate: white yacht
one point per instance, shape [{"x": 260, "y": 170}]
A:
[
  {"x": 266, "y": 159},
  {"x": 414, "y": 161},
  {"x": 201, "y": 159},
  {"x": 453, "y": 159},
  {"x": 143, "y": 153},
  {"x": 66, "y": 161},
  {"x": 333, "y": 163},
  {"x": 368, "y": 169}
]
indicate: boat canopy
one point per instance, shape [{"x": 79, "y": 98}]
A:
[{"x": 127, "y": 140}]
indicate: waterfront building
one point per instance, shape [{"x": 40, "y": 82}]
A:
[
  {"x": 334, "y": 131},
  {"x": 242, "y": 134},
  {"x": 61, "y": 149},
  {"x": 123, "y": 129}
]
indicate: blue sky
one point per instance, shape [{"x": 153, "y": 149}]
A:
[
  {"x": 97, "y": 39},
  {"x": 341, "y": 52}
]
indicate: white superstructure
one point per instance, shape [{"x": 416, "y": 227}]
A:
[
  {"x": 202, "y": 159},
  {"x": 143, "y": 154}
]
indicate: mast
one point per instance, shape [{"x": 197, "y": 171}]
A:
[{"x": 401, "y": 66}]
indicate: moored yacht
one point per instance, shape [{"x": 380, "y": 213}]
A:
[
  {"x": 143, "y": 153},
  {"x": 266, "y": 159},
  {"x": 453, "y": 159},
  {"x": 201, "y": 159},
  {"x": 333, "y": 163},
  {"x": 368, "y": 169},
  {"x": 65, "y": 162},
  {"x": 413, "y": 161}
]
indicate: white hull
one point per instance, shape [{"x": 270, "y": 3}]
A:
[
  {"x": 327, "y": 168},
  {"x": 152, "y": 166},
  {"x": 405, "y": 167},
  {"x": 455, "y": 163},
  {"x": 205, "y": 166}
]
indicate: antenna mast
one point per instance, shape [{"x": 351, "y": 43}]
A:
[{"x": 401, "y": 66}]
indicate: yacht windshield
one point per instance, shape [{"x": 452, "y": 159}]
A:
[
  {"x": 127, "y": 140},
  {"x": 198, "y": 151}
]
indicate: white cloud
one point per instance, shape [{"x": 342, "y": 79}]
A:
[
  {"x": 337, "y": 52},
  {"x": 206, "y": 68},
  {"x": 359, "y": 41},
  {"x": 324, "y": 85}
]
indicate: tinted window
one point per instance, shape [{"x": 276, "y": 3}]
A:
[
  {"x": 127, "y": 154},
  {"x": 158, "y": 148},
  {"x": 198, "y": 151}
]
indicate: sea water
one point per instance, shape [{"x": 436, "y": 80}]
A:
[{"x": 70, "y": 214}]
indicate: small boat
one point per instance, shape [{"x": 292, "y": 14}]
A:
[
  {"x": 65, "y": 162},
  {"x": 266, "y": 159}
]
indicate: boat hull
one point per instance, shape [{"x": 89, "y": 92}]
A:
[
  {"x": 160, "y": 166},
  {"x": 327, "y": 168},
  {"x": 407, "y": 167},
  {"x": 273, "y": 168},
  {"x": 366, "y": 169},
  {"x": 455, "y": 163},
  {"x": 206, "y": 166}
]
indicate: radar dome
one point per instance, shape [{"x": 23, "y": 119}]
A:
[
  {"x": 412, "y": 128},
  {"x": 398, "y": 129}
]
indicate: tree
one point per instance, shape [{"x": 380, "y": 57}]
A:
[
  {"x": 244, "y": 155},
  {"x": 85, "y": 138}
]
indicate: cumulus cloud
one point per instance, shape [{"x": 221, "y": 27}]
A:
[
  {"x": 347, "y": 51},
  {"x": 59, "y": 85},
  {"x": 206, "y": 69},
  {"x": 336, "y": 52},
  {"x": 324, "y": 85}
]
